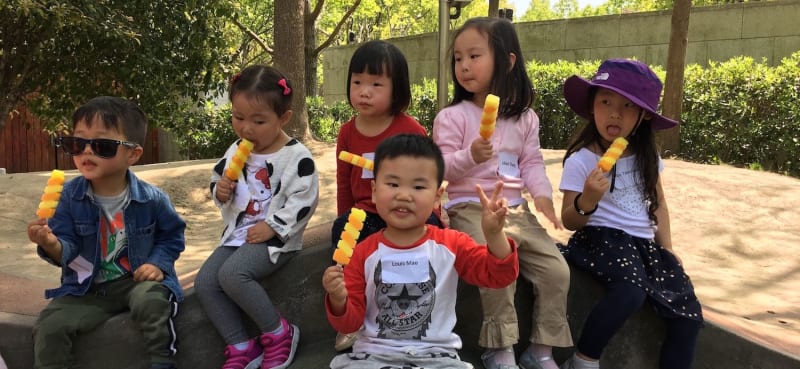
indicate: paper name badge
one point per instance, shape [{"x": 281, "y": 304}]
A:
[{"x": 405, "y": 268}]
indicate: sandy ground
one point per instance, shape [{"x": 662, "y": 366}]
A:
[{"x": 736, "y": 231}]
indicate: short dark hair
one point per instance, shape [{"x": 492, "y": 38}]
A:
[
  {"x": 511, "y": 84},
  {"x": 406, "y": 144},
  {"x": 379, "y": 57},
  {"x": 116, "y": 113},
  {"x": 264, "y": 84}
]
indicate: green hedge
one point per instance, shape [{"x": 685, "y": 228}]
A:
[{"x": 739, "y": 112}]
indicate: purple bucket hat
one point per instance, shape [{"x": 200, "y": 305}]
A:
[{"x": 629, "y": 78}]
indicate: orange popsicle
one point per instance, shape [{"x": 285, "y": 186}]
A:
[
  {"x": 237, "y": 161},
  {"x": 612, "y": 154},
  {"x": 52, "y": 193},
  {"x": 349, "y": 237},
  {"x": 356, "y": 160},
  {"x": 489, "y": 118}
]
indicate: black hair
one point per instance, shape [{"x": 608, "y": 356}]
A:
[
  {"x": 263, "y": 83},
  {"x": 413, "y": 145},
  {"x": 116, "y": 113},
  {"x": 378, "y": 58},
  {"x": 641, "y": 142},
  {"x": 511, "y": 84}
]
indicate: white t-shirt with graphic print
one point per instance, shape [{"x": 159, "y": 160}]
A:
[
  {"x": 257, "y": 183},
  {"x": 625, "y": 207}
]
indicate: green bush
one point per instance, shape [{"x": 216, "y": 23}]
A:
[
  {"x": 205, "y": 132},
  {"x": 423, "y": 103},
  {"x": 557, "y": 122},
  {"x": 324, "y": 120},
  {"x": 738, "y": 112},
  {"x": 743, "y": 113}
]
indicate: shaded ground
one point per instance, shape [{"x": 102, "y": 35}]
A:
[{"x": 735, "y": 229}]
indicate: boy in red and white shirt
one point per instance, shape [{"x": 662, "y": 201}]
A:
[{"x": 401, "y": 282}]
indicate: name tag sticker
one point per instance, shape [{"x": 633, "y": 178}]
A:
[
  {"x": 508, "y": 165},
  {"x": 82, "y": 267},
  {"x": 367, "y": 174},
  {"x": 405, "y": 268}
]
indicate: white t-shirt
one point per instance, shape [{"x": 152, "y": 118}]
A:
[
  {"x": 625, "y": 208},
  {"x": 257, "y": 183}
]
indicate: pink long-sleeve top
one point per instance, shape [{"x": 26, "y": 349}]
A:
[{"x": 457, "y": 126}]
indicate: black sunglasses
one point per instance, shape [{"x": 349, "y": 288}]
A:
[{"x": 102, "y": 147}]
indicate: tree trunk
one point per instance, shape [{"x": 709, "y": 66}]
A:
[
  {"x": 494, "y": 8},
  {"x": 288, "y": 58},
  {"x": 673, "y": 89},
  {"x": 308, "y": 51}
]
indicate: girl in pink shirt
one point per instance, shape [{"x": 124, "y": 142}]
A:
[{"x": 487, "y": 60}]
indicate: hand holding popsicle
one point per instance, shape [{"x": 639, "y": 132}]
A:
[
  {"x": 52, "y": 193},
  {"x": 612, "y": 154},
  {"x": 237, "y": 161},
  {"x": 489, "y": 118},
  {"x": 349, "y": 237},
  {"x": 356, "y": 160}
]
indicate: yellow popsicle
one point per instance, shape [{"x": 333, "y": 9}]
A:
[
  {"x": 356, "y": 160},
  {"x": 349, "y": 237},
  {"x": 489, "y": 118},
  {"x": 612, "y": 154},
  {"x": 239, "y": 158},
  {"x": 51, "y": 195}
]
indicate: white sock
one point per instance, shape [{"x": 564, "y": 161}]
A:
[
  {"x": 579, "y": 363},
  {"x": 503, "y": 356},
  {"x": 241, "y": 346},
  {"x": 543, "y": 355}
]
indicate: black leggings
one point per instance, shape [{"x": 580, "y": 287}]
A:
[{"x": 620, "y": 302}]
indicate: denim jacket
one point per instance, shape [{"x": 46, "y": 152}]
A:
[{"x": 154, "y": 231}]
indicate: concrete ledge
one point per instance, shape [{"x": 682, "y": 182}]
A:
[{"x": 298, "y": 294}]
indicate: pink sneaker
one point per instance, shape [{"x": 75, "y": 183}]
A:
[
  {"x": 279, "y": 349},
  {"x": 249, "y": 358}
]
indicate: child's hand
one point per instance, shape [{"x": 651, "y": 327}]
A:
[
  {"x": 333, "y": 282},
  {"x": 148, "y": 272},
  {"x": 595, "y": 186},
  {"x": 39, "y": 233},
  {"x": 260, "y": 232},
  {"x": 495, "y": 209},
  {"x": 481, "y": 150},
  {"x": 225, "y": 189},
  {"x": 545, "y": 206}
]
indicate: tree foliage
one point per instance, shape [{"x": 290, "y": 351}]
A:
[{"x": 56, "y": 54}]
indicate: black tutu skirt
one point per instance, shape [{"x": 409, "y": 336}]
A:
[{"x": 613, "y": 255}]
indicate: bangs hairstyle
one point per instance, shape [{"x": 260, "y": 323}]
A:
[
  {"x": 260, "y": 82},
  {"x": 378, "y": 58},
  {"x": 511, "y": 84},
  {"x": 416, "y": 146},
  {"x": 121, "y": 115}
]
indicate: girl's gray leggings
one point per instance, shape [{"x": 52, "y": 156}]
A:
[{"x": 228, "y": 285}]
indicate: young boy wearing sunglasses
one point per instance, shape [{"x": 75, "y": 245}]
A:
[{"x": 115, "y": 237}]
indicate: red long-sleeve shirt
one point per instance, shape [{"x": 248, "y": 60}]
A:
[{"x": 353, "y": 187}]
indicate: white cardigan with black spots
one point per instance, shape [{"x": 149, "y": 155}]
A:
[{"x": 294, "y": 181}]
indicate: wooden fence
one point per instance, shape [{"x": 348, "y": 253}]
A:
[{"x": 26, "y": 147}]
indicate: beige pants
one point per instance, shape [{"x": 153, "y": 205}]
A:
[{"x": 539, "y": 262}]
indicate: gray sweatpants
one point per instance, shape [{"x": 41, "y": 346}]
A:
[
  {"x": 228, "y": 286},
  {"x": 360, "y": 360}
]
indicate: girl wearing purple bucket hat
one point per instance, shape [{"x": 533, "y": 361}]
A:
[
  {"x": 621, "y": 218},
  {"x": 487, "y": 59}
]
